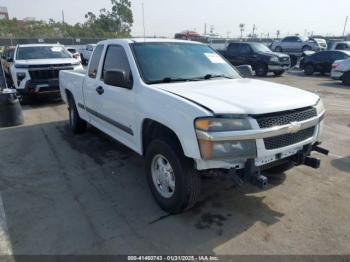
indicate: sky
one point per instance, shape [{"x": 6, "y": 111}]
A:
[{"x": 167, "y": 17}]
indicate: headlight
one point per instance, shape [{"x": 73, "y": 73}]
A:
[
  {"x": 225, "y": 149},
  {"x": 274, "y": 59},
  {"x": 320, "y": 107}
]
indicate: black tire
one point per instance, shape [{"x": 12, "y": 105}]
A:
[
  {"x": 83, "y": 61},
  {"x": 280, "y": 168},
  {"x": 187, "y": 180},
  {"x": 261, "y": 70},
  {"x": 309, "y": 70},
  {"x": 346, "y": 78},
  {"x": 278, "y": 73},
  {"x": 278, "y": 49},
  {"x": 306, "y": 48},
  {"x": 76, "y": 124}
]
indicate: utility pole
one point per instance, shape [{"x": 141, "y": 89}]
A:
[
  {"x": 254, "y": 28},
  {"x": 228, "y": 34},
  {"x": 278, "y": 34},
  {"x": 205, "y": 28},
  {"x": 62, "y": 16},
  {"x": 346, "y": 22}
]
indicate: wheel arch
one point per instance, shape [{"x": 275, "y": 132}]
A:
[{"x": 152, "y": 129}]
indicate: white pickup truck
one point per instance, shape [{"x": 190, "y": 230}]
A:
[
  {"x": 188, "y": 112},
  {"x": 35, "y": 68}
]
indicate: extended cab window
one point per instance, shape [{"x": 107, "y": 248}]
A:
[
  {"x": 95, "y": 60},
  {"x": 116, "y": 59},
  {"x": 244, "y": 50},
  {"x": 233, "y": 49}
]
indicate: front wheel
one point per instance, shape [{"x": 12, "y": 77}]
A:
[
  {"x": 306, "y": 48},
  {"x": 346, "y": 78},
  {"x": 76, "y": 124},
  {"x": 261, "y": 70},
  {"x": 175, "y": 185},
  {"x": 309, "y": 70}
]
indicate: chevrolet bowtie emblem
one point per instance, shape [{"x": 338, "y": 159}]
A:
[{"x": 294, "y": 127}]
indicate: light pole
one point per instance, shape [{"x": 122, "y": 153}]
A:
[{"x": 241, "y": 28}]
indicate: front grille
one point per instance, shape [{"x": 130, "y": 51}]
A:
[
  {"x": 46, "y": 74},
  {"x": 285, "y": 118},
  {"x": 284, "y": 59},
  {"x": 288, "y": 139}
]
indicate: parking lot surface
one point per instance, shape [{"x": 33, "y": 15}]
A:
[{"x": 65, "y": 194}]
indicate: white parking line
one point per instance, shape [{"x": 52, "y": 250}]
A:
[{"x": 5, "y": 245}]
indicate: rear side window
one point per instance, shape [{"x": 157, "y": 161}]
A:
[
  {"x": 116, "y": 59},
  {"x": 339, "y": 56},
  {"x": 95, "y": 60},
  {"x": 341, "y": 47}
]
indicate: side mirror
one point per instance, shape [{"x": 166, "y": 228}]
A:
[
  {"x": 9, "y": 60},
  {"x": 117, "y": 78},
  {"x": 245, "y": 71}
]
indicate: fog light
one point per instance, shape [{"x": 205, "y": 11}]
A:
[{"x": 20, "y": 77}]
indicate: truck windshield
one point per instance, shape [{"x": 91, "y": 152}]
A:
[
  {"x": 41, "y": 52},
  {"x": 180, "y": 62}
]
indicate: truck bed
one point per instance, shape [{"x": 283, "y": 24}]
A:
[{"x": 72, "y": 81}]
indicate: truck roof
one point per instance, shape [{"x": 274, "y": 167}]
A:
[
  {"x": 37, "y": 45},
  {"x": 146, "y": 40}
]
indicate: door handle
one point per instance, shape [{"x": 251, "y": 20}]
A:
[{"x": 100, "y": 90}]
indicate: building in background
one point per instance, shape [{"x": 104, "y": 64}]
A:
[{"x": 4, "y": 15}]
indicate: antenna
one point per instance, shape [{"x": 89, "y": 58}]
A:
[{"x": 143, "y": 20}]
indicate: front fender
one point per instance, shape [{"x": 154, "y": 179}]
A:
[{"x": 174, "y": 112}]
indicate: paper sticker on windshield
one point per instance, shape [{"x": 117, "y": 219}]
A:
[
  {"x": 215, "y": 58},
  {"x": 56, "y": 49}
]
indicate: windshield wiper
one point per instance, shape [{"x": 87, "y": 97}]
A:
[
  {"x": 171, "y": 80},
  {"x": 211, "y": 76}
]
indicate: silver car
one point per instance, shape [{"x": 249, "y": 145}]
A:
[{"x": 298, "y": 44}]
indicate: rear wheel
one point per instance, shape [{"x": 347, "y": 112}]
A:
[
  {"x": 309, "y": 69},
  {"x": 174, "y": 184},
  {"x": 76, "y": 124},
  {"x": 307, "y": 48},
  {"x": 278, "y": 73},
  {"x": 278, "y": 49},
  {"x": 261, "y": 70}
]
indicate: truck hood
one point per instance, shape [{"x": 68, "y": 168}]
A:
[
  {"x": 47, "y": 61},
  {"x": 272, "y": 54},
  {"x": 242, "y": 96}
]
